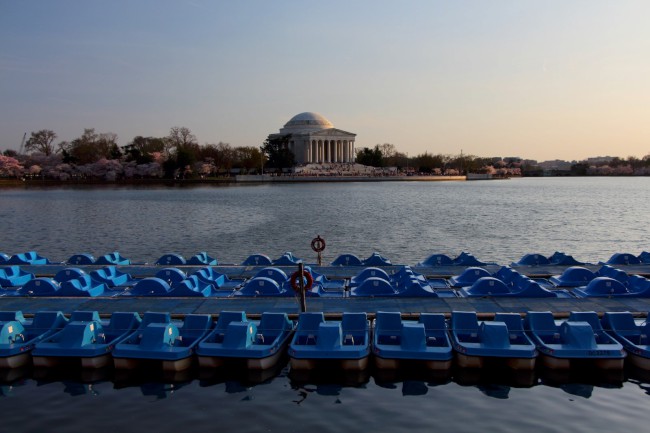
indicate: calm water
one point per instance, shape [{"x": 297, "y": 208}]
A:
[{"x": 590, "y": 218}]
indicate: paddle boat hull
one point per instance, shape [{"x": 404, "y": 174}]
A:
[
  {"x": 398, "y": 343},
  {"x": 634, "y": 337},
  {"x": 501, "y": 341},
  {"x": 336, "y": 344},
  {"x": 579, "y": 339},
  {"x": 86, "y": 339},
  {"x": 235, "y": 339},
  {"x": 159, "y": 340},
  {"x": 18, "y": 336}
]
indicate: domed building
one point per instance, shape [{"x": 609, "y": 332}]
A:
[{"x": 313, "y": 139}]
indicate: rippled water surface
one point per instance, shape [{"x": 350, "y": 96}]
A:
[{"x": 590, "y": 218}]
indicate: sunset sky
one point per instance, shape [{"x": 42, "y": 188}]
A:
[{"x": 536, "y": 79}]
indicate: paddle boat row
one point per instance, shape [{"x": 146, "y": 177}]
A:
[
  {"x": 128, "y": 341},
  {"x": 350, "y": 343},
  {"x": 464, "y": 259},
  {"x": 402, "y": 281}
]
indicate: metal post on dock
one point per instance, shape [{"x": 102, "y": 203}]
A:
[{"x": 301, "y": 284}]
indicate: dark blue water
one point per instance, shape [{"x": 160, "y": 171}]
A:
[
  {"x": 462, "y": 402},
  {"x": 590, "y": 218}
]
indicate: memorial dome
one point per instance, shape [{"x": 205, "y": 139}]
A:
[{"x": 305, "y": 122}]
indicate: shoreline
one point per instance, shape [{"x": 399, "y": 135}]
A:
[{"x": 237, "y": 180}]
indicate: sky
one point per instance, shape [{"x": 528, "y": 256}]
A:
[{"x": 542, "y": 80}]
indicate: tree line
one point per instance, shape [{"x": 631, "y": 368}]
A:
[
  {"x": 97, "y": 155},
  {"x": 179, "y": 155}
]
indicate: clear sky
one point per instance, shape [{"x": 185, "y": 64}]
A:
[{"x": 537, "y": 79}]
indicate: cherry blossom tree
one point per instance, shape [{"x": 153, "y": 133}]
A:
[{"x": 10, "y": 167}]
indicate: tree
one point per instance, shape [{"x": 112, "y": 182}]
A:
[
  {"x": 221, "y": 155},
  {"x": 141, "y": 149},
  {"x": 427, "y": 163},
  {"x": 277, "y": 151},
  {"x": 91, "y": 147},
  {"x": 371, "y": 157},
  {"x": 41, "y": 141},
  {"x": 180, "y": 137},
  {"x": 10, "y": 167},
  {"x": 249, "y": 158},
  {"x": 182, "y": 151}
]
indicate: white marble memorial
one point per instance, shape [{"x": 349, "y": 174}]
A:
[{"x": 313, "y": 139}]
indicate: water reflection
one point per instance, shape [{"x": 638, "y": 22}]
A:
[
  {"x": 581, "y": 382},
  {"x": 325, "y": 382},
  {"x": 414, "y": 381},
  {"x": 495, "y": 383}
]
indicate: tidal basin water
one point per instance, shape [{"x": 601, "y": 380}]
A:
[{"x": 499, "y": 221}]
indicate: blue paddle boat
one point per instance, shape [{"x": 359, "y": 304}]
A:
[
  {"x": 81, "y": 259},
  {"x": 602, "y": 287},
  {"x": 573, "y": 339},
  {"x": 171, "y": 275},
  {"x": 158, "y": 338},
  {"x": 28, "y": 258},
  {"x": 86, "y": 338},
  {"x": 67, "y": 274},
  {"x": 344, "y": 344},
  {"x": 191, "y": 287},
  {"x": 376, "y": 259},
  {"x": 13, "y": 276},
  {"x": 202, "y": 258},
  {"x": 436, "y": 260},
  {"x": 347, "y": 260},
  {"x": 468, "y": 277},
  {"x": 150, "y": 286},
  {"x": 171, "y": 259},
  {"x": 623, "y": 259},
  {"x": 114, "y": 258},
  {"x": 19, "y": 335},
  {"x": 574, "y": 276},
  {"x": 256, "y": 344},
  {"x": 41, "y": 286},
  {"x": 502, "y": 339},
  {"x": 111, "y": 276},
  {"x": 635, "y": 337},
  {"x": 561, "y": 259},
  {"x": 396, "y": 341},
  {"x": 257, "y": 260},
  {"x": 522, "y": 287},
  {"x": 82, "y": 286}
]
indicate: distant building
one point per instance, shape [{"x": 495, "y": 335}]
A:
[
  {"x": 599, "y": 160},
  {"x": 313, "y": 139}
]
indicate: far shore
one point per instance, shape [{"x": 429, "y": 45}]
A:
[{"x": 239, "y": 179}]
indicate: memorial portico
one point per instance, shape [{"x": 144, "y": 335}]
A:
[{"x": 313, "y": 139}]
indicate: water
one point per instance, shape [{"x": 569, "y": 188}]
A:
[{"x": 589, "y": 218}]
